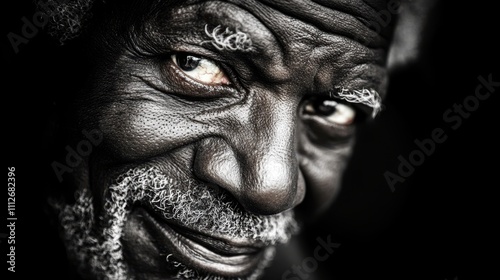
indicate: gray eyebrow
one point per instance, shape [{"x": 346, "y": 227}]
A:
[
  {"x": 227, "y": 39},
  {"x": 368, "y": 97},
  {"x": 230, "y": 40}
]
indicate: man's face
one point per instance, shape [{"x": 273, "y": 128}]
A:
[{"x": 223, "y": 124}]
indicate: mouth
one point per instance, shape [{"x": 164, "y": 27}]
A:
[{"x": 204, "y": 252}]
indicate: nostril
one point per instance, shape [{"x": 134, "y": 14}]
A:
[{"x": 268, "y": 202}]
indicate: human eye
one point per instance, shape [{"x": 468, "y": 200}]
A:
[
  {"x": 200, "y": 69},
  {"x": 331, "y": 111}
]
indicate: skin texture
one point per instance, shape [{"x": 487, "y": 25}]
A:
[{"x": 250, "y": 138}]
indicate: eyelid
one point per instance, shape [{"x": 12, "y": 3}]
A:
[
  {"x": 172, "y": 81},
  {"x": 307, "y": 111},
  {"x": 222, "y": 62},
  {"x": 369, "y": 99},
  {"x": 362, "y": 111},
  {"x": 196, "y": 85},
  {"x": 343, "y": 113},
  {"x": 198, "y": 51},
  {"x": 206, "y": 71},
  {"x": 327, "y": 133}
]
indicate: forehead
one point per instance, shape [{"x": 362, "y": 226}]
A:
[
  {"x": 288, "y": 21},
  {"x": 327, "y": 44},
  {"x": 285, "y": 18}
]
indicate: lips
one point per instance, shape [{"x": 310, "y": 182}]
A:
[{"x": 218, "y": 255}]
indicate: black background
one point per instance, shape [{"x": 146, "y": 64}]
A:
[{"x": 440, "y": 223}]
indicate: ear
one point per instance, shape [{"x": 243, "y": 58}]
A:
[{"x": 412, "y": 32}]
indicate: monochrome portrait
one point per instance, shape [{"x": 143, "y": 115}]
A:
[{"x": 248, "y": 139}]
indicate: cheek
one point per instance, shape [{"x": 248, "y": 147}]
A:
[
  {"x": 141, "y": 130},
  {"x": 322, "y": 169}
]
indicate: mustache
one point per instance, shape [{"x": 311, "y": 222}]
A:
[
  {"x": 93, "y": 239},
  {"x": 199, "y": 207}
]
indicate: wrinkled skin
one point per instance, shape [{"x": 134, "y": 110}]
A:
[{"x": 251, "y": 137}]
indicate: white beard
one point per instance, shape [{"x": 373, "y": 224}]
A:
[{"x": 95, "y": 244}]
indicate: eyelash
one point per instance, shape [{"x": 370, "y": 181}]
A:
[
  {"x": 361, "y": 112},
  {"x": 192, "y": 88},
  {"x": 234, "y": 86},
  {"x": 172, "y": 72}
]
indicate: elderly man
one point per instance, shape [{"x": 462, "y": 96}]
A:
[{"x": 210, "y": 129}]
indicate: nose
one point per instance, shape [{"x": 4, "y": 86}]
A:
[{"x": 256, "y": 162}]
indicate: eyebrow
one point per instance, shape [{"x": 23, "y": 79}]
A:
[
  {"x": 368, "y": 97},
  {"x": 237, "y": 40},
  {"x": 228, "y": 39}
]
